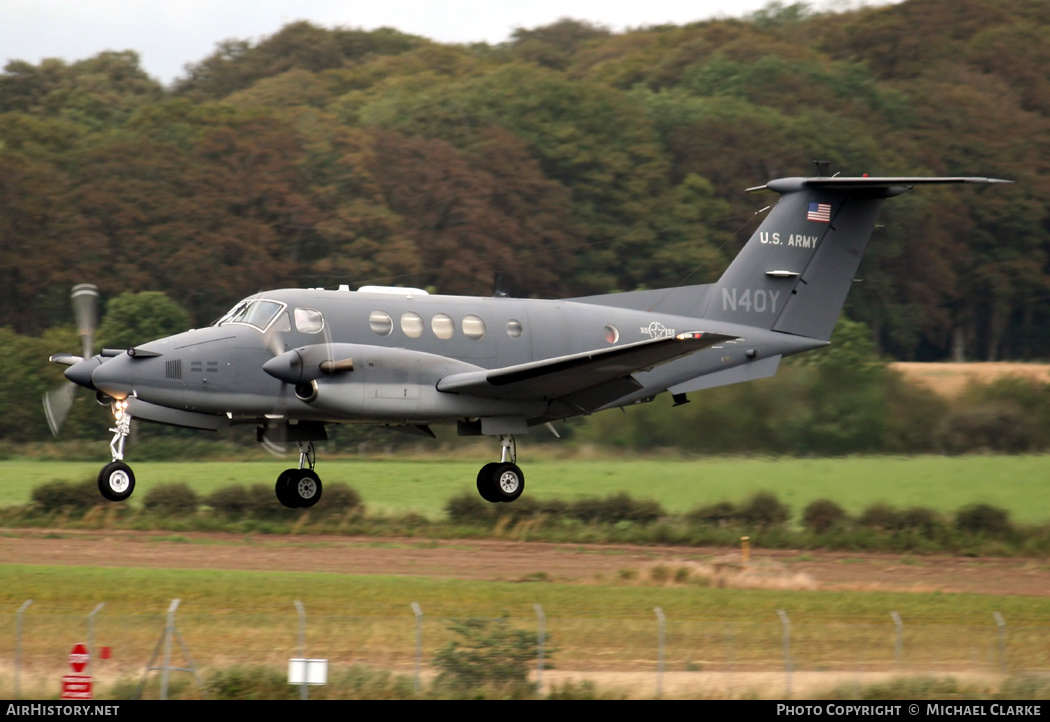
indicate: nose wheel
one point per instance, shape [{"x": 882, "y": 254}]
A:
[
  {"x": 116, "y": 481},
  {"x": 502, "y": 481}
]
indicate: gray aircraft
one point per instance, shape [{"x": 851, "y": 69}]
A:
[{"x": 292, "y": 361}]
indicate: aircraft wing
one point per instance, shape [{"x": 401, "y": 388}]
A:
[{"x": 566, "y": 376}]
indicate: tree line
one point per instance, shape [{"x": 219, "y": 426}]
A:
[{"x": 572, "y": 158}]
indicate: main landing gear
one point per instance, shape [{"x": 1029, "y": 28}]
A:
[
  {"x": 116, "y": 481},
  {"x": 503, "y": 480},
  {"x": 300, "y": 488}
]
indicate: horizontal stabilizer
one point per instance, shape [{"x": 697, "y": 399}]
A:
[
  {"x": 558, "y": 377},
  {"x": 895, "y": 184}
]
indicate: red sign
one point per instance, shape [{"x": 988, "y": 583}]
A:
[
  {"x": 76, "y": 686},
  {"x": 79, "y": 658}
]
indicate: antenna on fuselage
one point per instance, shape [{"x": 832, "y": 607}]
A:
[{"x": 499, "y": 286}]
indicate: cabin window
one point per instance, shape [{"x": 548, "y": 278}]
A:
[
  {"x": 514, "y": 329},
  {"x": 308, "y": 320},
  {"x": 473, "y": 327},
  {"x": 612, "y": 334},
  {"x": 412, "y": 324},
  {"x": 381, "y": 323},
  {"x": 443, "y": 326}
]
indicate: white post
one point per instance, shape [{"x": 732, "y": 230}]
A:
[
  {"x": 169, "y": 632},
  {"x": 898, "y": 647},
  {"x": 541, "y": 638},
  {"x": 1002, "y": 639},
  {"x": 787, "y": 651},
  {"x": 91, "y": 634},
  {"x": 661, "y": 624},
  {"x": 303, "y": 693},
  {"x": 418, "y": 612},
  {"x": 18, "y": 645}
]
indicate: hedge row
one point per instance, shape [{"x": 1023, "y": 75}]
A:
[{"x": 178, "y": 500}]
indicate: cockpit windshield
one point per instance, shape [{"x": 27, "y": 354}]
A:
[{"x": 255, "y": 312}]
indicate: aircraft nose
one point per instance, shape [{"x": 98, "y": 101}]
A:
[
  {"x": 80, "y": 372},
  {"x": 114, "y": 377}
]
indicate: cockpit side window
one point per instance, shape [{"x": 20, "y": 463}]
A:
[
  {"x": 308, "y": 320},
  {"x": 258, "y": 313}
]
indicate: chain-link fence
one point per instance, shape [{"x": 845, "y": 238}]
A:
[{"x": 647, "y": 651}]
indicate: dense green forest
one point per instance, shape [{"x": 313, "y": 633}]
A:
[{"x": 571, "y": 158}]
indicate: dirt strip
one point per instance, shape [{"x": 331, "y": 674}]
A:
[{"x": 518, "y": 561}]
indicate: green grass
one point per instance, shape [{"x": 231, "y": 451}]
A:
[
  {"x": 1019, "y": 484},
  {"x": 238, "y": 617}
]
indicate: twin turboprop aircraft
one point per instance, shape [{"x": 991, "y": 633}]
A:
[{"x": 292, "y": 361}]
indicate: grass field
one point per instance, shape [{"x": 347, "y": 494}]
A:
[
  {"x": 1019, "y": 484},
  {"x": 241, "y": 618}
]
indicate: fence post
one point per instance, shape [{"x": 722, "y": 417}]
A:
[
  {"x": 18, "y": 645},
  {"x": 1002, "y": 639},
  {"x": 661, "y": 623},
  {"x": 419, "y": 640},
  {"x": 899, "y": 645},
  {"x": 301, "y": 610},
  {"x": 91, "y": 634},
  {"x": 169, "y": 632},
  {"x": 787, "y": 650},
  {"x": 541, "y": 638}
]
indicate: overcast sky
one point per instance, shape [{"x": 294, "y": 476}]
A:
[{"x": 170, "y": 33}]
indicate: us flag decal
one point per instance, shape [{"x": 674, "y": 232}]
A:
[{"x": 819, "y": 212}]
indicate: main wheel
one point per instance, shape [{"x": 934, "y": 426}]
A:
[
  {"x": 304, "y": 488},
  {"x": 116, "y": 481},
  {"x": 510, "y": 482},
  {"x": 487, "y": 483},
  {"x": 283, "y": 489}
]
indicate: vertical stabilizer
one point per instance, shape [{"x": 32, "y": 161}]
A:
[{"x": 795, "y": 271}]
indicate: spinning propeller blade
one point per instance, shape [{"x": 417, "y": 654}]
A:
[{"x": 59, "y": 401}]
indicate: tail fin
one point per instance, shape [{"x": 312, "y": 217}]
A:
[{"x": 795, "y": 271}]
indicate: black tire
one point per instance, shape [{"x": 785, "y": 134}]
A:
[
  {"x": 283, "y": 489},
  {"x": 116, "y": 481},
  {"x": 304, "y": 488},
  {"x": 509, "y": 482},
  {"x": 487, "y": 483}
]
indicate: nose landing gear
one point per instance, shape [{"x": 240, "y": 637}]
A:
[{"x": 116, "y": 480}]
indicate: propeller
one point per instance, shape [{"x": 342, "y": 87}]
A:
[
  {"x": 296, "y": 367},
  {"x": 306, "y": 363},
  {"x": 59, "y": 401}
]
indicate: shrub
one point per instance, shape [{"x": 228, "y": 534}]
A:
[
  {"x": 880, "y": 516},
  {"x": 257, "y": 501},
  {"x": 919, "y": 518},
  {"x": 822, "y": 514},
  {"x": 338, "y": 498},
  {"x": 984, "y": 519},
  {"x": 171, "y": 500},
  {"x": 81, "y": 497},
  {"x": 718, "y": 514},
  {"x": 467, "y": 508},
  {"x": 617, "y": 508},
  {"x": 764, "y": 509},
  {"x": 256, "y": 682},
  {"x": 230, "y": 501},
  {"x": 489, "y": 653},
  {"x": 997, "y": 426}
]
